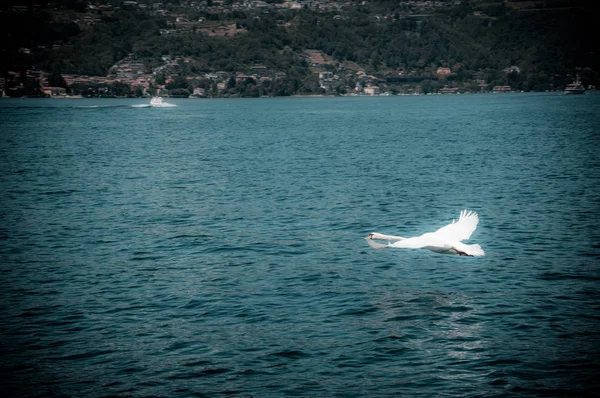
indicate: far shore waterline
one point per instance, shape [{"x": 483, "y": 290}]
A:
[{"x": 78, "y": 97}]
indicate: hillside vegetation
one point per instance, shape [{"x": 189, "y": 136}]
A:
[{"x": 395, "y": 44}]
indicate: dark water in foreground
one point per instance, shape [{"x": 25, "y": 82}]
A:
[{"x": 216, "y": 248}]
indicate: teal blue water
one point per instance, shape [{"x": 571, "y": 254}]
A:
[{"x": 216, "y": 248}]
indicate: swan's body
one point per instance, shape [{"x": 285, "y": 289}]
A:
[{"x": 446, "y": 240}]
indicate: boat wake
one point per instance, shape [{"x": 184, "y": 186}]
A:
[
  {"x": 101, "y": 106},
  {"x": 161, "y": 105},
  {"x": 69, "y": 107},
  {"x": 154, "y": 104}
]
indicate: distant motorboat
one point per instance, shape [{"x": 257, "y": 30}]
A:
[
  {"x": 575, "y": 88},
  {"x": 156, "y": 101}
]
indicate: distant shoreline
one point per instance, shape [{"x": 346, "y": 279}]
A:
[{"x": 299, "y": 96}]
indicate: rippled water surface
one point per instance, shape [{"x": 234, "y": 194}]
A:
[{"x": 217, "y": 249}]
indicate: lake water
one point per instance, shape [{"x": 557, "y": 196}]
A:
[{"x": 216, "y": 248}]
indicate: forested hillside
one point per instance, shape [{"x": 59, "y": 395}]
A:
[{"x": 527, "y": 45}]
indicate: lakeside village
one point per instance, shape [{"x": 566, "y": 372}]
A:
[{"x": 131, "y": 78}]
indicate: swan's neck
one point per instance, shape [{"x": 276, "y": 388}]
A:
[{"x": 388, "y": 237}]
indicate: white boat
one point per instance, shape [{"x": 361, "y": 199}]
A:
[
  {"x": 156, "y": 101},
  {"x": 575, "y": 88}
]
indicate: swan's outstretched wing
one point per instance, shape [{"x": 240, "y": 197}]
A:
[{"x": 461, "y": 229}]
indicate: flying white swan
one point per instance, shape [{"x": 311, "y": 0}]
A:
[{"x": 446, "y": 240}]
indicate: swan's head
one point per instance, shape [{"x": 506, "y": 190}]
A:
[{"x": 375, "y": 235}]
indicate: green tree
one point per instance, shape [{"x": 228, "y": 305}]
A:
[
  {"x": 231, "y": 83},
  {"x": 180, "y": 92},
  {"x": 160, "y": 79},
  {"x": 56, "y": 80}
]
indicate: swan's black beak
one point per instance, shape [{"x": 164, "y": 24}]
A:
[{"x": 370, "y": 236}]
